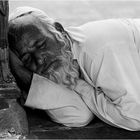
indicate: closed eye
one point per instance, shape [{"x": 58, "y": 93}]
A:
[
  {"x": 26, "y": 58},
  {"x": 41, "y": 44}
]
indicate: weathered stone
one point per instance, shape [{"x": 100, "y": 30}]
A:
[
  {"x": 9, "y": 91},
  {"x": 12, "y": 118},
  {"x": 8, "y": 87}
]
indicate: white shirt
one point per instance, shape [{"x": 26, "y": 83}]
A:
[{"x": 108, "y": 54}]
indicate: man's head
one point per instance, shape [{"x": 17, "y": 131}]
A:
[{"x": 42, "y": 45}]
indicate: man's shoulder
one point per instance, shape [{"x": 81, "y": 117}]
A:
[{"x": 104, "y": 23}]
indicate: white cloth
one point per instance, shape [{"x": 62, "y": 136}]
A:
[
  {"x": 108, "y": 54},
  {"x": 61, "y": 104}
]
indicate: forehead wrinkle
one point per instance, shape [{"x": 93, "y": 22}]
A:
[
  {"x": 44, "y": 27},
  {"x": 30, "y": 33},
  {"x": 39, "y": 28},
  {"x": 27, "y": 20}
]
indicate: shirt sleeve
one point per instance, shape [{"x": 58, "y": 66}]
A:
[
  {"x": 109, "y": 60},
  {"x": 114, "y": 95},
  {"x": 104, "y": 108}
]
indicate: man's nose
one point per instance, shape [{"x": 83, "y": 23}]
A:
[
  {"x": 43, "y": 58},
  {"x": 40, "y": 61}
]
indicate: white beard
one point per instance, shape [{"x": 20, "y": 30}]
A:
[{"x": 64, "y": 75}]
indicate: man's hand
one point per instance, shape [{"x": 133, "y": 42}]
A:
[{"x": 22, "y": 75}]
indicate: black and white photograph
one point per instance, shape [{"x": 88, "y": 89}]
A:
[{"x": 69, "y": 69}]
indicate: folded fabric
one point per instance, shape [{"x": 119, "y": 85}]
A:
[
  {"x": 109, "y": 57},
  {"x": 61, "y": 104},
  {"x": 45, "y": 94}
]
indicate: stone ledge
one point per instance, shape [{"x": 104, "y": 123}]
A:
[{"x": 12, "y": 117}]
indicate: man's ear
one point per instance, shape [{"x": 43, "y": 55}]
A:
[{"x": 59, "y": 27}]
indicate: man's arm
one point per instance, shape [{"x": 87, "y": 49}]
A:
[{"x": 105, "y": 109}]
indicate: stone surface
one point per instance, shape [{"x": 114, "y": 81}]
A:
[
  {"x": 13, "y": 118},
  {"x": 8, "y": 87},
  {"x": 9, "y": 91},
  {"x": 41, "y": 127}
]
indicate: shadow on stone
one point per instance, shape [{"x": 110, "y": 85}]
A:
[{"x": 13, "y": 118}]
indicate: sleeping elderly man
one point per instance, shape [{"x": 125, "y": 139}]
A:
[{"x": 75, "y": 73}]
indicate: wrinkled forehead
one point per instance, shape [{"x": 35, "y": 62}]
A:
[
  {"x": 28, "y": 21},
  {"x": 31, "y": 26},
  {"x": 31, "y": 21}
]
